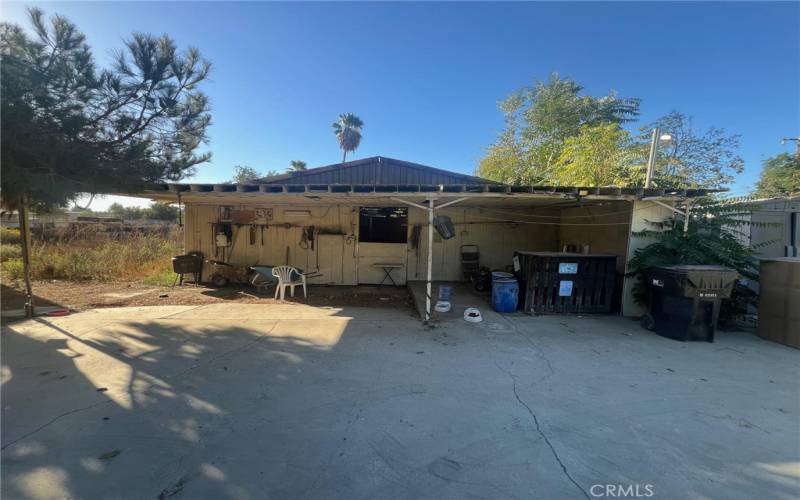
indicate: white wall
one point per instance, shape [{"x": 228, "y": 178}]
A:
[{"x": 642, "y": 212}]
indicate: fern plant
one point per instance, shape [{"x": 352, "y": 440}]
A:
[{"x": 716, "y": 236}]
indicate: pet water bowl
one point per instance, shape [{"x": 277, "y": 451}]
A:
[{"x": 473, "y": 315}]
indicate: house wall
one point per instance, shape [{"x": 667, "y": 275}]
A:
[
  {"x": 642, "y": 212},
  {"x": 343, "y": 260},
  {"x": 771, "y": 228}
]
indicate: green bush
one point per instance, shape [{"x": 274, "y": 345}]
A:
[
  {"x": 9, "y": 236},
  {"x": 8, "y": 252},
  {"x": 12, "y": 269},
  {"x": 714, "y": 238}
]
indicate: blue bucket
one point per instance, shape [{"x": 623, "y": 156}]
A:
[
  {"x": 505, "y": 293},
  {"x": 445, "y": 292},
  {"x": 500, "y": 275}
]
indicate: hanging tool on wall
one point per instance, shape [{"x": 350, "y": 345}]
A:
[
  {"x": 262, "y": 234},
  {"x": 307, "y": 238},
  {"x": 252, "y": 234}
]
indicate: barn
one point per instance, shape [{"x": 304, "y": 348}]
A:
[{"x": 346, "y": 222}]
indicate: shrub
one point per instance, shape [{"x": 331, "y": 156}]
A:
[
  {"x": 9, "y": 236},
  {"x": 12, "y": 269},
  {"x": 96, "y": 256},
  {"x": 8, "y": 252},
  {"x": 714, "y": 238}
]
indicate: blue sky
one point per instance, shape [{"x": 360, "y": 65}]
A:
[{"x": 425, "y": 78}]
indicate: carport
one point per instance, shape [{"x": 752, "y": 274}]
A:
[{"x": 498, "y": 219}]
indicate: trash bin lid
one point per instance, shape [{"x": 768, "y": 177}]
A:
[{"x": 698, "y": 267}]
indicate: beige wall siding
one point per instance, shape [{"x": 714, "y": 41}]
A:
[
  {"x": 606, "y": 232},
  {"x": 339, "y": 257},
  {"x": 282, "y": 240},
  {"x": 342, "y": 260},
  {"x": 496, "y": 240}
]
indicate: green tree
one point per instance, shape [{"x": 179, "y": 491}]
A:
[
  {"x": 296, "y": 166},
  {"x": 693, "y": 158},
  {"x": 117, "y": 210},
  {"x": 348, "y": 133},
  {"x": 244, "y": 174},
  {"x": 780, "y": 176},
  {"x": 538, "y": 120},
  {"x": 600, "y": 155},
  {"x": 162, "y": 211},
  {"x": 69, "y": 128}
]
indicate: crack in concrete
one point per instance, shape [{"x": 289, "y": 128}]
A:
[
  {"x": 54, "y": 420},
  {"x": 540, "y": 354},
  {"x": 544, "y": 436},
  {"x": 536, "y": 419}
]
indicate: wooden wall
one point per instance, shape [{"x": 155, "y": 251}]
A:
[
  {"x": 334, "y": 253},
  {"x": 607, "y": 232},
  {"x": 496, "y": 240},
  {"x": 338, "y": 255}
]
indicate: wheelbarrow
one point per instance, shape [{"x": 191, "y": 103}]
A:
[{"x": 223, "y": 274}]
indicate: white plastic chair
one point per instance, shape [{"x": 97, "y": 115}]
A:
[{"x": 284, "y": 275}]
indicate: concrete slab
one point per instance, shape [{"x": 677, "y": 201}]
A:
[
  {"x": 463, "y": 297},
  {"x": 255, "y": 401}
]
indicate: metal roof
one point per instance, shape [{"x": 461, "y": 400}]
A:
[
  {"x": 375, "y": 170},
  {"x": 380, "y": 178},
  {"x": 489, "y": 194}
]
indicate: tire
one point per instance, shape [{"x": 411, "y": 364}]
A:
[{"x": 219, "y": 280}]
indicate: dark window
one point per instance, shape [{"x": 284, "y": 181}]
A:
[{"x": 383, "y": 225}]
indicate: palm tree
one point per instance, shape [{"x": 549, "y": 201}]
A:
[
  {"x": 296, "y": 166},
  {"x": 348, "y": 132}
]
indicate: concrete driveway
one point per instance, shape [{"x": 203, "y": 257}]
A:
[{"x": 291, "y": 401}]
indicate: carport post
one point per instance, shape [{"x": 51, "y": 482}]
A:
[
  {"x": 686, "y": 213},
  {"x": 430, "y": 208},
  {"x": 430, "y": 263}
]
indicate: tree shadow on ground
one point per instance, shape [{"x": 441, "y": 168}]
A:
[
  {"x": 153, "y": 402},
  {"x": 14, "y": 299}
]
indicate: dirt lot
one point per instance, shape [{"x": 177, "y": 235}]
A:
[{"x": 88, "y": 295}]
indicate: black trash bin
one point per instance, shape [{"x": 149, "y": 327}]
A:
[{"x": 685, "y": 300}]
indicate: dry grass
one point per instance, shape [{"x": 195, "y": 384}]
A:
[{"x": 93, "y": 255}]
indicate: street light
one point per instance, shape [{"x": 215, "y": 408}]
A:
[{"x": 651, "y": 160}]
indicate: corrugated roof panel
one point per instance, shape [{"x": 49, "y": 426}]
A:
[{"x": 375, "y": 170}]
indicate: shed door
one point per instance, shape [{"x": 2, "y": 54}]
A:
[{"x": 382, "y": 243}]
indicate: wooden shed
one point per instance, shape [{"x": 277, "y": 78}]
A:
[{"x": 344, "y": 221}]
